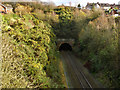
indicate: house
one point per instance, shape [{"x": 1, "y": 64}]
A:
[
  {"x": 89, "y": 6},
  {"x": 112, "y": 9},
  {"x": 3, "y": 9},
  {"x": 116, "y": 10},
  {"x": 9, "y": 8},
  {"x": 105, "y": 6}
]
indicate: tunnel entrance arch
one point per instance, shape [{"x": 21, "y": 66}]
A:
[
  {"x": 65, "y": 43},
  {"x": 65, "y": 47}
]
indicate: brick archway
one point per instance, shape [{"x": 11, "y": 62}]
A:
[
  {"x": 62, "y": 41},
  {"x": 65, "y": 47}
]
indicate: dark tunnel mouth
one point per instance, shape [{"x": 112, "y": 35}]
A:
[{"x": 65, "y": 47}]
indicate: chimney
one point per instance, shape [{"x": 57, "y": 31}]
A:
[{"x": 97, "y": 2}]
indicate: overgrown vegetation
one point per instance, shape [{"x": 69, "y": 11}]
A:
[
  {"x": 98, "y": 43},
  {"x": 63, "y": 27},
  {"x": 30, "y": 59}
]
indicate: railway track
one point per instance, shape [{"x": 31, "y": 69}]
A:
[{"x": 78, "y": 78}]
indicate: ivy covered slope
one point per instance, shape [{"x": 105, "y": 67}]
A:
[{"x": 29, "y": 53}]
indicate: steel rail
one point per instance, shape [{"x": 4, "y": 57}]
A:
[
  {"x": 83, "y": 75},
  {"x": 75, "y": 72}
]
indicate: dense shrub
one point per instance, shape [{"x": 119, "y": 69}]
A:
[
  {"x": 64, "y": 26},
  {"x": 32, "y": 52},
  {"x": 98, "y": 43}
]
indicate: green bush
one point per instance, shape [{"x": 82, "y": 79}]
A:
[
  {"x": 33, "y": 43},
  {"x": 98, "y": 43}
]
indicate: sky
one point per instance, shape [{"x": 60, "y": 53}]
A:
[
  {"x": 82, "y": 2},
  {"x": 73, "y": 2}
]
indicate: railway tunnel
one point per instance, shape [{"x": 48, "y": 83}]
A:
[
  {"x": 75, "y": 73},
  {"x": 65, "y": 47},
  {"x": 65, "y": 44}
]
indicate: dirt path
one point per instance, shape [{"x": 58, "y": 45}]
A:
[{"x": 77, "y": 76}]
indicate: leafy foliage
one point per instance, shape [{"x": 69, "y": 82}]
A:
[
  {"x": 35, "y": 50},
  {"x": 63, "y": 27},
  {"x": 98, "y": 43}
]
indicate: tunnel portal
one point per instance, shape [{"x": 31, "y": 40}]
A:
[{"x": 65, "y": 47}]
